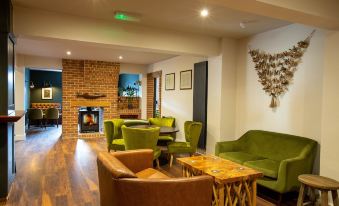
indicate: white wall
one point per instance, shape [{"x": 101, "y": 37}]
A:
[
  {"x": 329, "y": 165},
  {"x": 19, "y": 126},
  {"x": 177, "y": 103},
  {"x": 138, "y": 69},
  {"x": 300, "y": 109}
]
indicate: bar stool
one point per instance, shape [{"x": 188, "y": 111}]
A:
[{"x": 323, "y": 184}]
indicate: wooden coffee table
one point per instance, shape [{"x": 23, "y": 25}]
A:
[{"x": 233, "y": 183}]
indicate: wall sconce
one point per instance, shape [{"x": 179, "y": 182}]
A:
[
  {"x": 31, "y": 85},
  {"x": 47, "y": 84}
]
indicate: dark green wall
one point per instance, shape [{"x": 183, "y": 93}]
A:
[{"x": 38, "y": 78}]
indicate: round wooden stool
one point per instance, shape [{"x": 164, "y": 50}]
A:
[{"x": 323, "y": 184}]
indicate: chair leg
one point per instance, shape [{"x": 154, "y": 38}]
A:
[
  {"x": 171, "y": 160},
  {"x": 158, "y": 164},
  {"x": 57, "y": 123}
]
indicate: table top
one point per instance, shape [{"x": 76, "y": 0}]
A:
[
  {"x": 319, "y": 182},
  {"x": 163, "y": 129},
  {"x": 223, "y": 171}
]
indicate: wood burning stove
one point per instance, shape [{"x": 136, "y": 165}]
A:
[{"x": 89, "y": 120}]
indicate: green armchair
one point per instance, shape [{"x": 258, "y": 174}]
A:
[
  {"x": 35, "y": 115},
  {"x": 113, "y": 134},
  {"x": 164, "y": 122},
  {"x": 192, "y": 134},
  {"x": 137, "y": 138},
  {"x": 52, "y": 114},
  {"x": 280, "y": 157}
]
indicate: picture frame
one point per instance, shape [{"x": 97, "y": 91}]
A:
[
  {"x": 170, "y": 81},
  {"x": 186, "y": 80},
  {"x": 47, "y": 93}
]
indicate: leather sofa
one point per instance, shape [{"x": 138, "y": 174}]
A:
[
  {"x": 45, "y": 106},
  {"x": 280, "y": 157},
  {"x": 127, "y": 178}
]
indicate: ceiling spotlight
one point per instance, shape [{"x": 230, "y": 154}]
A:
[
  {"x": 204, "y": 13},
  {"x": 242, "y": 25},
  {"x": 120, "y": 57},
  {"x": 68, "y": 53}
]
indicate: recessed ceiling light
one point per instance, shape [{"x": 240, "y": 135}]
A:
[
  {"x": 204, "y": 13},
  {"x": 242, "y": 25},
  {"x": 68, "y": 53},
  {"x": 120, "y": 57}
]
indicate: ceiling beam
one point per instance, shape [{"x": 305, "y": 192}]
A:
[{"x": 323, "y": 14}]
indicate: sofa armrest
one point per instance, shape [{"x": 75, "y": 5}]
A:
[
  {"x": 227, "y": 146},
  {"x": 290, "y": 169},
  {"x": 136, "y": 160}
]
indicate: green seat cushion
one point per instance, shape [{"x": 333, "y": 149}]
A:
[
  {"x": 268, "y": 167},
  {"x": 179, "y": 147},
  {"x": 118, "y": 144},
  {"x": 239, "y": 157},
  {"x": 165, "y": 138}
]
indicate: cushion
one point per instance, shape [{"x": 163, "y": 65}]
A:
[
  {"x": 179, "y": 147},
  {"x": 118, "y": 141},
  {"x": 239, "y": 157},
  {"x": 151, "y": 173},
  {"x": 269, "y": 167},
  {"x": 165, "y": 138}
]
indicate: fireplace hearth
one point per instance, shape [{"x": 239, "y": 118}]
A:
[{"x": 89, "y": 119}]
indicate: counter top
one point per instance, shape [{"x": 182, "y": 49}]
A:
[{"x": 13, "y": 116}]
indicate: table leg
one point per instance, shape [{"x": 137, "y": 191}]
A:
[
  {"x": 301, "y": 195},
  {"x": 221, "y": 191},
  {"x": 254, "y": 192},
  {"x": 335, "y": 197},
  {"x": 324, "y": 197}
]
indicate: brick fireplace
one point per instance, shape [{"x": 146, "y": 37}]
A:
[{"x": 92, "y": 77}]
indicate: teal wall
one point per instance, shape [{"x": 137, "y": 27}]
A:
[{"x": 38, "y": 78}]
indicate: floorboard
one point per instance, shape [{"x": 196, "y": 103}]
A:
[{"x": 53, "y": 171}]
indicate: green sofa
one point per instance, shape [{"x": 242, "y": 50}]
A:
[
  {"x": 113, "y": 132},
  {"x": 280, "y": 157}
]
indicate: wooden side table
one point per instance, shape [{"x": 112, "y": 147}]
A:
[{"x": 323, "y": 184}]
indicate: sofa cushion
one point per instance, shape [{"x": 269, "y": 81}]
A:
[
  {"x": 165, "y": 138},
  {"x": 269, "y": 167},
  {"x": 151, "y": 173},
  {"x": 239, "y": 157}
]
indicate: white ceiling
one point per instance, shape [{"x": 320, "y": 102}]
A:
[
  {"x": 181, "y": 15},
  {"x": 83, "y": 50}
]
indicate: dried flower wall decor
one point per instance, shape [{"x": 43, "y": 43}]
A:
[{"x": 276, "y": 71}]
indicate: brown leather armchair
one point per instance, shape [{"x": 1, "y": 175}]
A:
[{"x": 127, "y": 178}]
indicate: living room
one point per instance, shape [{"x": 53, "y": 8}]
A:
[{"x": 159, "y": 69}]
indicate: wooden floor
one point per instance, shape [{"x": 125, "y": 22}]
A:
[{"x": 52, "y": 171}]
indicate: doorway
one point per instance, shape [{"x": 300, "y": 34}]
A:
[{"x": 154, "y": 94}]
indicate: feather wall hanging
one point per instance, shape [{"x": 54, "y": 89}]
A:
[{"x": 276, "y": 71}]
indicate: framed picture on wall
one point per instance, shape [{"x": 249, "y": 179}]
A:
[
  {"x": 170, "y": 81},
  {"x": 47, "y": 93},
  {"x": 186, "y": 79}
]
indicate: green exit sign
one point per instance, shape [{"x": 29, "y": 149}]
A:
[{"x": 124, "y": 16}]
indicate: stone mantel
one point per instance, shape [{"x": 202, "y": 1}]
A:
[{"x": 86, "y": 103}]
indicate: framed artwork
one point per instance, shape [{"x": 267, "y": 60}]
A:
[
  {"x": 186, "y": 79},
  {"x": 170, "y": 81},
  {"x": 47, "y": 93}
]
